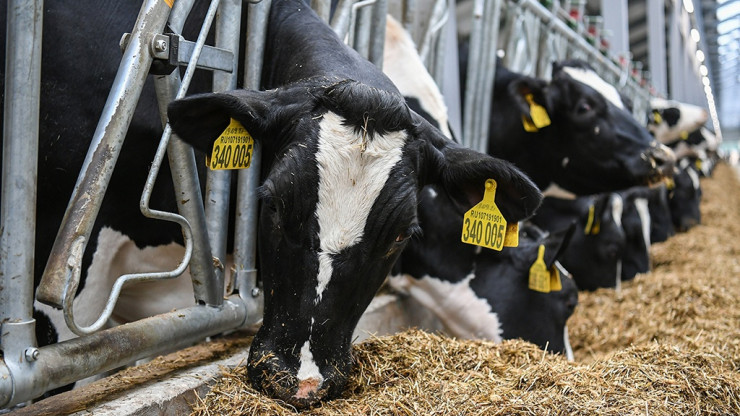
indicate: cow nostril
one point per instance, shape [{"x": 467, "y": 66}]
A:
[{"x": 307, "y": 388}]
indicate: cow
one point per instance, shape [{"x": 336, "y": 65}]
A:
[
  {"x": 661, "y": 226},
  {"x": 636, "y": 223},
  {"x": 479, "y": 293},
  {"x": 344, "y": 161},
  {"x": 476, "y": 294},
  {"x": 670, "y": 121},
  {"x": 594, "y": 254},
  {"x": 586, "y": 142},
  {"x": 684, "y": 197}
]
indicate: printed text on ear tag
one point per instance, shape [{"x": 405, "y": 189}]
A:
[
  {"x": 539, "y": 276},
  {"x": 555, "y": 284},
  {"x": 537, "y": 112},
  {"x": 483, "y": 225},
  {"x": 232, "y": 149}
]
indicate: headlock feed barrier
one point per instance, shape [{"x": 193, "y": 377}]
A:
[{"x": 531, "y": 36}]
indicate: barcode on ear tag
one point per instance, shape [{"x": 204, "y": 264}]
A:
[
  {"x": 484, "y": 225},
  {"x": 539, "y": 276},
  {"x": 232, "y": 149}
]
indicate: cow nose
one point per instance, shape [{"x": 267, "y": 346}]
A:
[
  {"x": 687, "y": 223},
  {"x": 662, "y": 160}
]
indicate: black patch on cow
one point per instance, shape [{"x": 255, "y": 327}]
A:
[
  {"x": 367, "y": 108},
  {"x": 671, "y": 115}
]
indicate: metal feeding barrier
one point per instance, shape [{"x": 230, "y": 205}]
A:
[
  {"x": 27, "y": 370},
  {"x": 530, "y": 35}
]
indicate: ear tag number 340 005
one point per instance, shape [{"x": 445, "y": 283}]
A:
[
  {"x": 485, "y": 226},
  {"x": 232, "y": 149}
]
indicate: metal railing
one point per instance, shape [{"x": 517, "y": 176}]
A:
[{"x": 530, "y": 37}]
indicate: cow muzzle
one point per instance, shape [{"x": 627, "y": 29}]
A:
[
  {"x": 661, "y": 161},
  {"x": 300, "y": 386}
]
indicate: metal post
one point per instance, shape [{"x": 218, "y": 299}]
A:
[
  {"x": 18, "y": 202},
  {"x": 62, "y": 273},
  {"x": 245, "y": 258},
  {"x": 62, "y": 363}
]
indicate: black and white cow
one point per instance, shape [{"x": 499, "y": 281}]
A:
[
  {"x": 661, "y": 225},
  {"x": 684, "y": 196},
  {"x": 591, "y": 143},
  {"x": 594, "y": 254},
  {"x": 344, "y": 161},
  {"x": 670, "y": 121},
  {"x": 476, "y": 293}
]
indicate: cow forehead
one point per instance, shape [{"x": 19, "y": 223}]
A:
[
  {"x": 593, "y": 80},
  {"x": 353, "y": 170}
]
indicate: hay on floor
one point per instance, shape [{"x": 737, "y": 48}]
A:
[{"x": 668, "y": 343}]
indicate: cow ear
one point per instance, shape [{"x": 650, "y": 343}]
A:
[
  {"x": 556, "y": 243},
  {"x": 526, "y": 88},
  {"x": 200, "y": 119},
  {"x": 463, "y": 172}
]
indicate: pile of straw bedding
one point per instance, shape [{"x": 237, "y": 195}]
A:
[{"x": 667, "y": 343}]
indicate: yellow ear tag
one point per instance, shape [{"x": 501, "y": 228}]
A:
[
  {"x": 232, "y": 149},
  {"x": 528, "y": 125},
  {"x": 537, "y": 112},
  {"x": 512, "y": 235},
  {"x": 657, "y": 117},
  {"x": 555, "y": 284},
  {"x": 669, "y": 183},
  {"x": 698, "y": 164},
  {"x": 590, "y": 221},
  {"x": 539, "y": 276},
  {"x": 483, "y": 225},
  {"x": 684, "y": 135}
]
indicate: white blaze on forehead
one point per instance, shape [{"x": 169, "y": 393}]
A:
[
  {"x": 642, "y": 210},
  {"x": 462, "y": 312},
  {"x": 352, "y": 172},
  {"x": 593, "y": 80},
  {"x": 617, "y": 209},
  {"x": 308, "y": 368}
]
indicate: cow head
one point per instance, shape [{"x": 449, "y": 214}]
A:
[
  {"x": 343, "y": 166},
  {"x": 595, "y": 251},
  {"x": 593, "y": 143},
  {"x": 684, "y": 197},
  {"x": 669, "y": 121},
  {"x": 478, "y": 293}
]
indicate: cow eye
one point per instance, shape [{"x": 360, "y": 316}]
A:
[
  {"x": 583, "y": 108},
  {"x": 409, "y": 232}
]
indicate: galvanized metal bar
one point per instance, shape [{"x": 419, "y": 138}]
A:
[
  {"x": 19, "y": 178},
  {"x": 218, "y": 59},
  {"x": 360, "y": 27},
  {"x": 218, "y": 183},
  {"x": 481, "y": 73},
  {"x": 62, "y": 273},
  {"x": 203, "y": 292},
  {"x": 340, "y": 20},
  {"x": 432, "y": 47},
  {"x": 245, "y": 254},
  {"x": 59, "y": 364},
  {"x": 377, "y": 33}
]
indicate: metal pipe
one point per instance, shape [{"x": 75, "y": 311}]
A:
[
  {"x": 245, "y": 258},
  {"x": 19, "y": 178},
  {"x": 322, "y": 8},
  {"x": 377, "y": 33},
  {"x": 360, "y": 26},
  {"x": 59, "y": 364},
  {"x": 340, "y": 20},
  {"x": 63, "y": 268}
]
